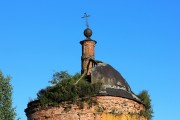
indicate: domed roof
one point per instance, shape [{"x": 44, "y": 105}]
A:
[{"x": 112, "y": 81}]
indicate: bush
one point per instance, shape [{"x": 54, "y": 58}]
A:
[
  {"x": 66, "y": 90},
  {"x": 145, "y": 98}
]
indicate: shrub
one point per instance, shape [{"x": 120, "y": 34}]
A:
[
  {"x": 145, "y": 98},
  {"x": 66, "y": 90}
]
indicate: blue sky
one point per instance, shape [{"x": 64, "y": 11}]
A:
[{"x": 140, "y": 38}]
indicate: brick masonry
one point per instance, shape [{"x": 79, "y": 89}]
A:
[
  {"x": 108, "y": 108},
  {"x": 87, "y": 53}
]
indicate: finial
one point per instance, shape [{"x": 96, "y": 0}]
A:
[
  {"x": 87, "y": 33},
  {"x": 86, "y": 19}
]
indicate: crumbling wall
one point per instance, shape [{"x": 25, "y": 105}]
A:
[{"x": 108, "y": 108}]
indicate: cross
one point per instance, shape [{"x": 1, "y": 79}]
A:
[{"x": 86, "y": 19}]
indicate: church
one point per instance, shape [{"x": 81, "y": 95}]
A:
[{"x": 115, "y": 99}]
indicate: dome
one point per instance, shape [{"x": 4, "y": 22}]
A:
[{"x": 113, "y": 84}]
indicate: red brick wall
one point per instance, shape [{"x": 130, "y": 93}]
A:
[
  {"x": 87, "y": 52},
  {"x": 108, "y": 108}
]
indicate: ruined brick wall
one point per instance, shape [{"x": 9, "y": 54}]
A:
[
  {"x": 108, "y": 108},
  {"x": 87, "y": 53}
]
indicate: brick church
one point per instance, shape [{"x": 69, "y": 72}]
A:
[{"x": 116, "y": 101}]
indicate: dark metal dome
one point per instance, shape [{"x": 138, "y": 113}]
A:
[{"x": 113, "y": 82}]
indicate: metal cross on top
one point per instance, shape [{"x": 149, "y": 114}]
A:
[{"x": 86, "y": 19}]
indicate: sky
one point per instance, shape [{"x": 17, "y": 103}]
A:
[{"x": 139, "y": 38}]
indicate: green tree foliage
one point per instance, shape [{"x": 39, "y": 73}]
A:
[
  {"x": 58, "y": 76},
  {"x": 146, "y": 100},
  {"x": 7, "y": 112},
  {"x": 65, "y": 89}
]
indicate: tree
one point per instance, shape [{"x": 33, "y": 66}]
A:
[
  {"x": 7, "y": 112},
  {"x": 59, "y": 76},
  {"x": 146, "y": 100}
]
